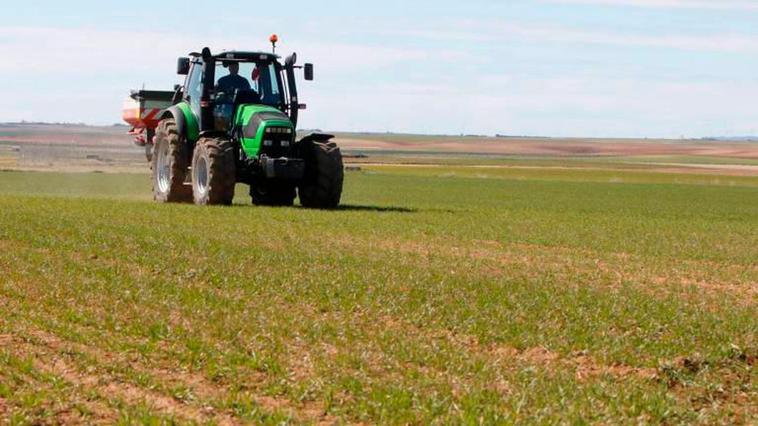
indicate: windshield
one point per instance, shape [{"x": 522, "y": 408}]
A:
[{"x": 260, "y": 78}]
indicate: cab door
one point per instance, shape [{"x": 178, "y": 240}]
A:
[{"x": 194, "y": 88}]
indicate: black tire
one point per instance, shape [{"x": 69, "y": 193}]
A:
[
  {"x": 213, "y": 172},
  {"x": 321, "y": 187},
  {"x": 272, "y": 193},
  {"x": 169, "y": 163}
]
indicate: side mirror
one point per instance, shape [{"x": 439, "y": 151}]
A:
[
  {"x": 309, "y": 72},
  {"x": 182, "y": 66}
]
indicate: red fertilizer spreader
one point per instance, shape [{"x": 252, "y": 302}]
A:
[{"x": 142, "y": 110}]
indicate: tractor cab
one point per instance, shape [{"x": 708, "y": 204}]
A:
[{"x": 217, "y": 85}]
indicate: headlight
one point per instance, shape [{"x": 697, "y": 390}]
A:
[{"x": 279, "y": 130}]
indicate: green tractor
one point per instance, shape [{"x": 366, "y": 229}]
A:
[{"x": 234, "y": 120}]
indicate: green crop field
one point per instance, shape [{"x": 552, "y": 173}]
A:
[{"x": 435, "y": 295}]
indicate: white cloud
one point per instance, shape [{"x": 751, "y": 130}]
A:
[
  {"x": 94, "y": 69},
  {"x": 681, "y": 4},
  {"x": 68, "y": 50},
  {"x": 78, "y": 65},
  {"x": 570, "y": 105},
  {"x": 468, "y": 33},
  {"x": 722, "y": 42},
  {"x": 501, "y": 31}
]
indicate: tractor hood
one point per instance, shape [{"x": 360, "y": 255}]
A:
[{"x": 255, "y": 122}]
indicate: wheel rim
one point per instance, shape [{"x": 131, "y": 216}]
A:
[
  {"x": 201, "y": 176},
  {"x": 164, "y": 168}
]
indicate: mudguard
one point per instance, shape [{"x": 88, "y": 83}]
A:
[
  {"x": 186, "y": 126},
  {"x": 317, "y": 137},
  {"x": 178, "y": 116}
]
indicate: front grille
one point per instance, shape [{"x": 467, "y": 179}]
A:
[{"x": 276, "y": 145}]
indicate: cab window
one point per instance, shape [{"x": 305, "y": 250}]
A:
[{"x": 194, "y": 89}]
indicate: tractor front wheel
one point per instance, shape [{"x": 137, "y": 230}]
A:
[
  {"x": 213, "y": 172},
  {"x": 170, "y": 161},
  {"x": 321, "y": 187}
]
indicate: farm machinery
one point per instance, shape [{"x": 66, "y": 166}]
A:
[{"x": 234, "y": 120}]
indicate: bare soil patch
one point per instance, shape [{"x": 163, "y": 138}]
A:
[
  {"x": 53, "y": 355},
  {"x": 554, "y": 147},
  {"x": 87, "y": 148},
  {"x": 585, "y": 366}
]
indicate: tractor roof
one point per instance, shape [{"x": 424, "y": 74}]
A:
[{"x": 243, "y": 56}]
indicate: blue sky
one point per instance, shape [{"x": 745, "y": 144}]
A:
[{"x": 624, "y": 68}]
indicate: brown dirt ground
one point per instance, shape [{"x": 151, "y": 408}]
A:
[
  {"x": 74, "y": 140},
  {"x": 117, "y": 136},
  {"x": 558, "y": 147},
  {"x": 674, "y": 168}
]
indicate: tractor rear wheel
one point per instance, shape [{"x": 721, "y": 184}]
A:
[
  {"x": 213, "y": 172},
  {"x": 149, "y": 145},
  {"x": 170, "y": 161},
  {"x": 270, "y": 193},
  {"x": 149, "y": 153},
  {"x": 321, "y": 187}
]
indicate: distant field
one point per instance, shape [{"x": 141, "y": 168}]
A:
[
  {"x": 110, "y": 149},
  {"x": 436, "y": 294}
]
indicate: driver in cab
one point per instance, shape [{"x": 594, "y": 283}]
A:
[{"x": 232, "y": 82}]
